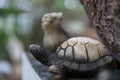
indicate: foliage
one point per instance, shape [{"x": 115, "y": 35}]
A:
[
  {"x": 7, "y": 29},
  {"x": 7, "y": 11},
  {"x": 23, "y": 18}
]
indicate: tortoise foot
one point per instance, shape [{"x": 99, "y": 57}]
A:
[
  {"x": 54, "y": 69},
  {"x": 57, "y": 77}
]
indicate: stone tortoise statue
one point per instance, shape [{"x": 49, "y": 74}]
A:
[{"x": 76, "y": 57}]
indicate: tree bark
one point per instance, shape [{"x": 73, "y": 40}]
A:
[{"x": 105, "y": 17}]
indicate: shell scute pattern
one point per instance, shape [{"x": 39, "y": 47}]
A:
[
  {"x": 82, "y": 49},
  {"x": 67, "y": 63},
  {"x": 83, "y": 53},
  {"x": 75, "y": 66},
  {"x": 92, "y": 52},
  {"x": 72, "y": 42},
  {"x": 69, "y": 55},
  {"x": 64, "y": 45},
  {"x": 61, "y": 54},
  {"x": 71, "y": 65},
  {"x": 79, "y": 53},
  {"x": 67, "y": 46}
]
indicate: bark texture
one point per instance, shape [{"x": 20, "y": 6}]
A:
[{"x": 105, "y": 17}]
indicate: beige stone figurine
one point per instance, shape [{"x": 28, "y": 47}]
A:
[{"x": 54, "y": 35}]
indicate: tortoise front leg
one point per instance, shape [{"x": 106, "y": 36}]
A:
[
  {"x": 57, "y": 77},
  {"x": 57, "y": 73}
]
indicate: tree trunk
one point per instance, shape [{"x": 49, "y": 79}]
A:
[{"x": 105, "y": 17}]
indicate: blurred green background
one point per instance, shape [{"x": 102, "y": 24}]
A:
[
  {"x": 20, "y": 26},
  {"x": 22, "y": 19}
]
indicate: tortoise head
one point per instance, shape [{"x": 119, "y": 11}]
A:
[
  {"x": 34, "y": 48},
  {"x": 39, "y": 53}
]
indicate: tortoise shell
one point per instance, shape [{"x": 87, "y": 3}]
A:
[{"x": 83, "y": 54}]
